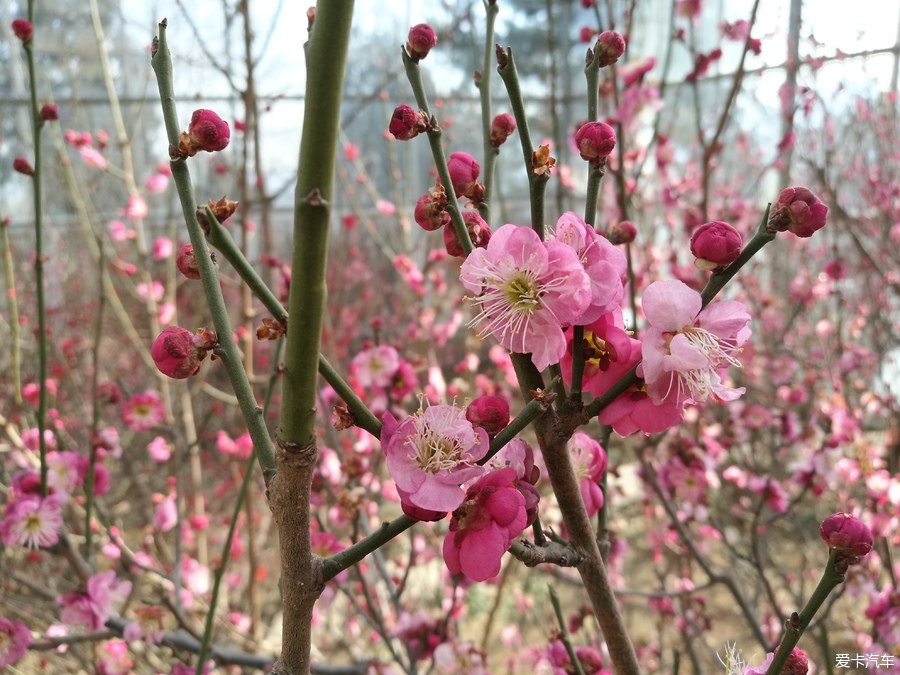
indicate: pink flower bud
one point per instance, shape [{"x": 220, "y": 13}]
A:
[
  {"x": 715, "y": 245},
  {"x": 797, "y": 210},
  {"x": 796, "y": 664},
  {"x": 420, "y": 41},
  {"x": 595, "y": 140},
  {"x": 177, "y": 352},
  {"x": 22, "y": 29},
  {"x": 491, "y": 413},
  {"x": 501, "y": 128},
  {"x": 406, "y": 123},
  {"x": 848, "y": 534},
  {"x": 610, "y": 46},
  {"x": 49, "y": 113},
  {"x": 207, "y": 131},
  {"x": 186, "y": 263},
  {"x": 431, "y": 210},
  {"x": 479, "y": 233},
  {"x": 464, "y": 172},
  {"x": 622, "y": 233},
  {"x": 21, "y": 165}
]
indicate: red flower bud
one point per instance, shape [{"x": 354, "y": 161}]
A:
[
  {"x": 21, "y": 165},
  {"x": 186, "y": 262},
  {"x": 586, "y": 34},
  {"x": 431, "y": 209},
  {"x": 595, "y": 141},
  {"x": 420, "y": 41},
  {"x": 797, "y": 210},
  {"x": 479, "y": 233},
  {"x": 851, "y": 536},
  {"x": 491, "y": 413},
  {"x": 622, "y": 233},
  {"x": 610, "y": 46},
  {"x": 464, "y": 172},
  {"x": 501, "y": 128},
  {"x": 22, "y": 29},
  {"x": 406, "y": 123},
  {"x": 177, "y": 352},
  {"x": 207, "y": 131},
  {"x": 49, "y": 113},
  {"x": 715, "y": 245},
  {"x": 797, "y": 663}
]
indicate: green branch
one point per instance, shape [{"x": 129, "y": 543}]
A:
[{"x": 484, "y": 90}]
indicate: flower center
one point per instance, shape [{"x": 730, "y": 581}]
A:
[
  {"x": 597, "y": 351},
  {"x": 435, "y": 452},
  {"x": 699, "y": 383},
  {"x": 522, "y": 293}
]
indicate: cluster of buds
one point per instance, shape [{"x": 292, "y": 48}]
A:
[
  {"x": 178, "y": 353},
  {"x": 406, "y": 123},
  {"x": 715, "y": 245},
  {"x": 797, "y": 210},
  {"x": 207, "y": 132}
]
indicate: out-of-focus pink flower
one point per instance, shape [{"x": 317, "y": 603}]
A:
[
  {"x": 410, "y": 273},
  {"x": 135, "y": 208},
  {"x": 715, "y": 245},
  {"x": 165, "y": 516},
  {"x": 527, "y": 289},
  {"x": 240, "y": 448},
  {"x": 92, "y": 608},
  {"x": 156, "y": 183},
  {"x": 421, "y": 40},
  {"x": 799, "y": 211},
  {"x": 165, "y": 313},
  {"x": 604, "y": 264},
  {"x": 622, "y": 233},
  {"x": 586, "y": 34},
  {"x": 374, "y": 367},
  {"x": 385, "y": 208},
  {"x": 155, "y": 290},
  {"x": 491, "y": 413},
  {"x": 589, "y": 463},
  {"x": 633, "y": 73},
  {"x": 115, "y": 660},
  {"x": 92, "y": 157},
  {"x": 431, "y": 453},
  {"x": 502, "y": 127},
  {"x": 351, "y": 152},
  {"x": 14, "y": 640},
  {"x": 32, "y": 520},
  {"x": 484, "y": 525},
  {"x": 478, "y": 229},
  {"x": 22, "y": 29},
  {"x": 178, "y": 353},
  {"x": 687, "y": 8},
  {"x": 162, "y": 248},
  {"x": 159, "y": 449},
  {"x": 143, "y": 411},
  {"x": 118, "y": 231},
  {"x": 684, "y": 348}
]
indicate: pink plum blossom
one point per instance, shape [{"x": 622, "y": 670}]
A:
[
  {"x": 430, "y": 454},
  {"x": 684, "y": 347},
  {"x": 528, "y": 289},
  {"x": 162, "y": 248},
  {"x": 604, "y": 264},
  {"x": 115, "y": 659},
  {"x": 376, "y": 366},
  {"x": 135, "y": 208},
  {"x": 165, "y": 515},
  {"x": 159, "y": 449},
  {"x": 14, "y": 640},
  {"x": 32, "y": 521},
  {"x": 589, "y": 462},
  {"x": 143, "y": 411},
  {"x": 93, "y": 608},
  {"x": 92, "y": 157},
  {"x": 484, "y": 525},
  {"x": 156, "y": 183}
]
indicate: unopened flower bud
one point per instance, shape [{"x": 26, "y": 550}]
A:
[
  {"x": 21, "y": 165},
  {"x": 178, "y": 353},
  {"x": 49, "y": 113},
  {"x": 406, "y": 123},
  {"x": 851, "y": 536},
  {"x": 595, "y": 141},
  {"x": 502, "y": 127},
  {"x": 464, "y": 172},
  {"x": 585, "y": 34},
  {"x": 22, "y": 29},
  {"x": 797, "y": 663},
  {"x": 610, "y": 46},
  {"x": 715, "y": 245},
  {"x": 622, "y": 233},
  {"x": 479, "y": 232},
  {"x": 431, "y": 209},
  {"x": 797, "y": 210},
  {"x": 491, "y": 413},
  {"x": 420, "y": 41},
  {"x": 207, "y": 131},
  {"x": 186, "y": 263}
]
